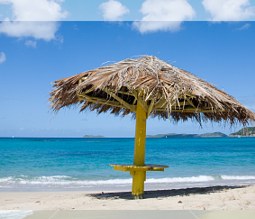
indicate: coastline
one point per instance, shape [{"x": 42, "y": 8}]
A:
[
  {"x": 69, "y": 184},
  {"x": 204, "y": 174},
  {"x": 207, "y": 198}
]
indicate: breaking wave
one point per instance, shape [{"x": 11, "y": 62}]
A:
[{"x": 70, "y": 181}]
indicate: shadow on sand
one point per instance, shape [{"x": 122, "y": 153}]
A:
[{"x": 164, "y": 193}]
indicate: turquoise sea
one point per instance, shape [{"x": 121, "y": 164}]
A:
[{"x": 57, "y": 164}]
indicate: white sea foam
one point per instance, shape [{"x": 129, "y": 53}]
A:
[
  {"x": 182, "y": 179},
  {"x": 69, "y": 181},
  {"x": 50, "y": 181},
  {"x": 6, "y": 179},
  {"x": 14, "y": 214},
  {"x": 237, "y": 177}
]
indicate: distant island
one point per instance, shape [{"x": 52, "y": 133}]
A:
[
  {"x": 174, "y": 135},
  {"x": 93, "y": 136},
  {"x": 244, "y": 132}
]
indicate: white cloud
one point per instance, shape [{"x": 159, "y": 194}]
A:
[
  {"x": 38, "y": 30},
  {"x": 31, "y": 43},
  {"x": 153, "y": 26},
  {"x": 37, "y": 18},
  {"x": 113, "y": 10},
  {"x": 164, "y": 15},
  {"x": 229, "y": 10},
  {"x": 2, "y": 57},
  {"x": 36, "y": 10}
]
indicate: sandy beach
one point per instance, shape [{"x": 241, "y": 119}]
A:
[{"x": 209, "y": 198}]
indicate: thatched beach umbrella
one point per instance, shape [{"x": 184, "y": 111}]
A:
[{"x": 147, "y": 87}]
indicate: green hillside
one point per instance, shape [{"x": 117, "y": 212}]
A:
[
  {"x": 213, "y": 135},
  {"x": 174, "y": 135},
  {"x": 249, "y": 131}
]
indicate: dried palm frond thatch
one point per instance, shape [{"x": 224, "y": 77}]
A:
[{"x": 165, "y": 91}]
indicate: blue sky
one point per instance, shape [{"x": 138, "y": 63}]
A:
[
  {"x": 221, "y": 53},
  {"x": 89, "y": 10},
  {"x": 80, "y": 10}
]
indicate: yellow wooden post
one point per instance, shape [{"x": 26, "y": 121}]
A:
[
  {"x": 138, "y": 169},
  {"x": 139, "y": 176}
]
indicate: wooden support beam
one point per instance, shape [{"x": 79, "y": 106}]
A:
[
  {"x": 89, "y": 90},
  {"x": 190, "y": 102},
  {"x": 126, "y": 93},
  {"x": 100, "y": 101},
  {"x": 192, "y": 110},
  {"x": 121, "y": 101},
  {"x": 162, "y": 103},
  {"x": 85, "y": 92},
  {"x": 150, "y": 108}
]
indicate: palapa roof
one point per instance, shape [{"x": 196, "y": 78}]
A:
[{"x": 165, "y": 91}]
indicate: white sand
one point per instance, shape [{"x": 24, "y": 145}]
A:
[{"x": 220, "y": 199}]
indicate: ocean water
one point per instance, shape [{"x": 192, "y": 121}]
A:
[{"x": 47, "y": 164}]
